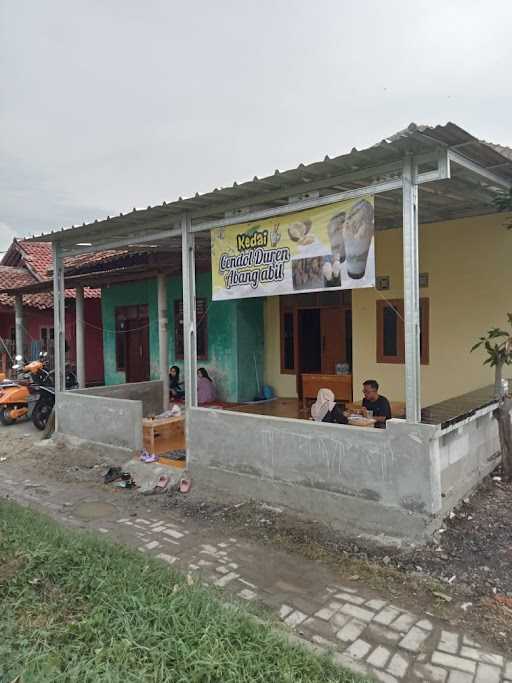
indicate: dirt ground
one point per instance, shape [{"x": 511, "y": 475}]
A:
[{"x": 463, "y": 576}]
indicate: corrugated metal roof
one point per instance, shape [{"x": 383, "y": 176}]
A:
[{"x": 273, "y": 190}]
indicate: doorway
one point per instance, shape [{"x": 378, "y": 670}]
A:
[
  {"x": 137, "y": 350},
  {"x": 322, "y": 340},
  {"x": 316, "y": 334},
  {"x": 132, "y": 342},
  {"x": 310, "y": 346}
]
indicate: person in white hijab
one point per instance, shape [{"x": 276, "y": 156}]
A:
[
  {"x": 324, "y": 409},
  {"x": 324, "y": 404}
]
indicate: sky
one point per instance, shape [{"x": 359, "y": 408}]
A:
[{"x": 106, "y": 105}]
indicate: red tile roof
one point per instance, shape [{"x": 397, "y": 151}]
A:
[
  {"x": 75, "y": 263},
  {"x": 29, "y": 262},
  {"x": 37, "y": 256},
  {"x": 13, "y": 277}
]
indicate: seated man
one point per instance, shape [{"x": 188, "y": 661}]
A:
[{"x": 375, "y": 403}]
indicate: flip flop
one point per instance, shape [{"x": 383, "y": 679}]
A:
[
  {"x": 149, "y": 457},
  {"x": 185, "y": 485},
  {"x": 112, "y": 474}
]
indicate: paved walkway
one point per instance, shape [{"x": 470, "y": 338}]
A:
[{"x": 364, "y": 631}]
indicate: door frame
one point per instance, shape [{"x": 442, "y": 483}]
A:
[
  {"x": 296, "y": 332},
  {"x": 142, "y": 328}
]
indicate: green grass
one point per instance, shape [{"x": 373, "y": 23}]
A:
[{"x": 76, "y": 608}]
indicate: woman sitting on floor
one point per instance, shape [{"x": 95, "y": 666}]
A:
[
  {"x": 205, "y": 387},
  {"x": 325, "y": 409},
  {"x": 175, "y": 387}
]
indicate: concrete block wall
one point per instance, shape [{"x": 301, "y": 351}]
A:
[
  {"x": 150, "y": 394},
  {"x": 104, "y": 420},
  {"x": 468, "y": 451},
  {"x": 360, "y": 480}
]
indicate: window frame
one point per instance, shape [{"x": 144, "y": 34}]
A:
[
  {"x": 201, "y": 328},
  {"x": 398, "y": 305},
  {"x": 286, "y": 310}
]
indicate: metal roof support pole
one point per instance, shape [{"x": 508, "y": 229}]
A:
[
  {"x": 80, "y": 336},
  {"x": 189, "y": 311},
  {"x": 59, "y": 318},
  {"x": 163, "y": 338},
  {"x": 18, "y": 317},
  {"x": 411, "y": 292}
]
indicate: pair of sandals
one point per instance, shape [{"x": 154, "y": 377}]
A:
[
  {"x": 122, "y": 479},
  {"x": 145, "y": 456}
]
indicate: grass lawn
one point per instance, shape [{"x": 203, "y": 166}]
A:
[{"x": 77, "y": 608}]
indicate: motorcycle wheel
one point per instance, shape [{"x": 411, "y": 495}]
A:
[
  {"x": 5, "y": 417},
  {"x": 40, "y": 414}
]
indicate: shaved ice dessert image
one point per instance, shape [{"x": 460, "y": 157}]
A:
[
  {"x": 335, "y": 232},
  {"x": 358, "y": 232}
]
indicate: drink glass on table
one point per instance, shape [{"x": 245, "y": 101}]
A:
[{"x": 358, "y": 233}]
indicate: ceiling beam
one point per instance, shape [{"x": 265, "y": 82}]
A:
[{"x": 483, "y": 172}]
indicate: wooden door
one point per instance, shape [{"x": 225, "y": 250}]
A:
[
  {"x": 332, "y": 330},
  {"x": 137, "y": 350}
]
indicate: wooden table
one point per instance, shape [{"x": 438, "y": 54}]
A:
[
  {"x": 340, "y": 385},
  {"x": 165, "y": 434}
]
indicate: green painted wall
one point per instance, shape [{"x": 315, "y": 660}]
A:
[
  {"x": 235, "y": 335},
  {"x": 131, "y": 294},
  {"x": 250, "y": 341}
]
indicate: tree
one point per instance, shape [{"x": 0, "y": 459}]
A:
[{"x": 498, "y": 346}]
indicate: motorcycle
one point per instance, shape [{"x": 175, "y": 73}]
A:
[
  {"x": 15, "y": 395},
  {"x": 46, "y": 398}
]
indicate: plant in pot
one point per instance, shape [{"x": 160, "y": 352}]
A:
[{"x": 497, "y": 344}]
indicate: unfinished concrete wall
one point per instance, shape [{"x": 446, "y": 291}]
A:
[
  {"x": 149, "y": 393},
  {"x": 361, "y": 480},
  {"x": 105, "y": 420},
  {"x": 468, "y": 451}
]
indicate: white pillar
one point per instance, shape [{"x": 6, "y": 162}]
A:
[
  {"x": 411, "y": 293},
  {"x": 163, "y": 338},
  {"x": 59, "y": 318},
  {"x": 80, "y": 336},
  {"x": 18, "y": 323},
  {"x": 189, "y": 312}
]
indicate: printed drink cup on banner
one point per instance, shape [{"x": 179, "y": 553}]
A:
[
  {"x": 328, "y": 247},
  {"x": 358, "y": 234}
]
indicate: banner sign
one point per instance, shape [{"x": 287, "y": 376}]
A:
[{"x": 328, "y": 247}]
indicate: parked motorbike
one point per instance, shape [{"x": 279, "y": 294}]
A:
[
  {"x": 46, "y": 398},
  {"x": 15, "y": 395}
]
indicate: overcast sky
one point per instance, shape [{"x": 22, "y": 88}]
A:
[{"x": 110, "y": 104}]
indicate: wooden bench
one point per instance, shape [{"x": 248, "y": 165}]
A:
[
  {"x": 340, "y": 385},
  {"x": 163, "y": 435}
]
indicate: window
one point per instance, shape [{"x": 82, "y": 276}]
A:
[
  {"x": 120, "y": 339},
  {"x": 287, "y": 341},
  {"x": 391, "y": 333},
  {"x": 201, "y": 329}
]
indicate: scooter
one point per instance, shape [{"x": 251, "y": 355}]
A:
[
  {"x": 46, "y": 398},
  {"x": 15, "y": 395}
]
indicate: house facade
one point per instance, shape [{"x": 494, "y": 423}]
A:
[
  {"x": 465, "y": 287},
  {"x": 230, "y": 336},
  {"x": 29, "y": 263},
  {"x": 441, "y": 279}
]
